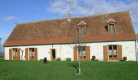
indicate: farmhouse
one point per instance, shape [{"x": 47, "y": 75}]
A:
[{"x": 108, "y": 37}]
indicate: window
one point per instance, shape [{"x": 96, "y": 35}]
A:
[
  {"x": 111, "y": 25},
  {"x": 15, "y": 53},
  {"x": 31, "y": 52},
  {"x": 112, "y": 51},
  {"x": 111, "y": 28},
  {"x": 82, "y": 52},
  {"x": 82, "y": 30}
]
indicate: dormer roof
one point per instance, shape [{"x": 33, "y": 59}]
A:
[
  {"x": 111, "y": 21},
  {"x": 82, "y": 23}
]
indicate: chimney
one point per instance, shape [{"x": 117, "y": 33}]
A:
[{"x": 69, "y": 17}]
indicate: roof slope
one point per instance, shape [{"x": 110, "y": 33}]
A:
[{"x": 61, "y": 30}]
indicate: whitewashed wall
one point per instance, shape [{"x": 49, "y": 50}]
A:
[
  {"x": 66, "y": 50},
  {"x": 137, "y": 46}
]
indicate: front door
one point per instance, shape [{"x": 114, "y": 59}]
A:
[
  {"x": 112, "y": 52},
  {"x": 53, "y": 54},
  {"x": 82, "y": 54}
]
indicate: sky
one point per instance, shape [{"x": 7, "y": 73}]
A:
[{"x": 13, "y": 12}]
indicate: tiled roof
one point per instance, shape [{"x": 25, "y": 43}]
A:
[{"x": 63, "y": 31}]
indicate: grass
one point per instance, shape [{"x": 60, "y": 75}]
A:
[{"x": 65, "y": 70}]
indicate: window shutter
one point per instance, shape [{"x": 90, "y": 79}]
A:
[
  {"x": 35, "y": 51},
  {"x": 88, "y": 53},
  {"x": 26, "y": 53},
  {"x": 119, "y": 50},
  {"x": 105, "y": 48},
  {"x": 75, "y": 53},
  {"x": 10, "y": 54},
  {"x": 18, "y": 54}
]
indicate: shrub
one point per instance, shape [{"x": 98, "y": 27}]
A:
[
  {"x": 93, "y": 57},
  {"x": 124, "y": 58},
  {"x": 58, "y": 59},
  {"x": 68, "y": 59},
  {"x": 41, "y": 60}
]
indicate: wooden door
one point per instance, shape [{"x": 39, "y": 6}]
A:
[
  {"x": 53, "y": 54},
  {"x": 112, "y": 52}
]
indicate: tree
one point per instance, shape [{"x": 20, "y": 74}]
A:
[{"x": 76, "y": 35}]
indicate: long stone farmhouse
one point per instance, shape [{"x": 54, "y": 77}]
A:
[{"x": 108, "y": 37}]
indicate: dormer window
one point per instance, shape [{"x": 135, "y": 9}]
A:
[
  {"x": 82, "y": 28},
  {"x": 111, "y": 25},
  {"x": 111, "y": 28}
]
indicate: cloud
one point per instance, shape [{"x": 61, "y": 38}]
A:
[
  {"x": 61, "y": 6},
  {"x": 35, "y": 8},
  {"x": 93, "y": 7},
  {"x": 10, "y": 18}
]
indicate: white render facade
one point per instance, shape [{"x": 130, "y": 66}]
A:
[{"x": 64, "y": 51}]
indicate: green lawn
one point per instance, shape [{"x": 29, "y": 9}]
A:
[{"x": 65, "y": 70}]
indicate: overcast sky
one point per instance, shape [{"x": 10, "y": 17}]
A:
[{"x": 13, "y": 12}]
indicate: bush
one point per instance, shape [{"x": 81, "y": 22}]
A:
[
  {"x": 93, "y": 57},
  {"x": 124, "y": 58},
  {"x": 58, "y": 59},
  {"x": 68, "y": 59},
  {"x": 41, "y": 60}
]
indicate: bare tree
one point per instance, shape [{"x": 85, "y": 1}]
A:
[{"x": 73, "y": 32}]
